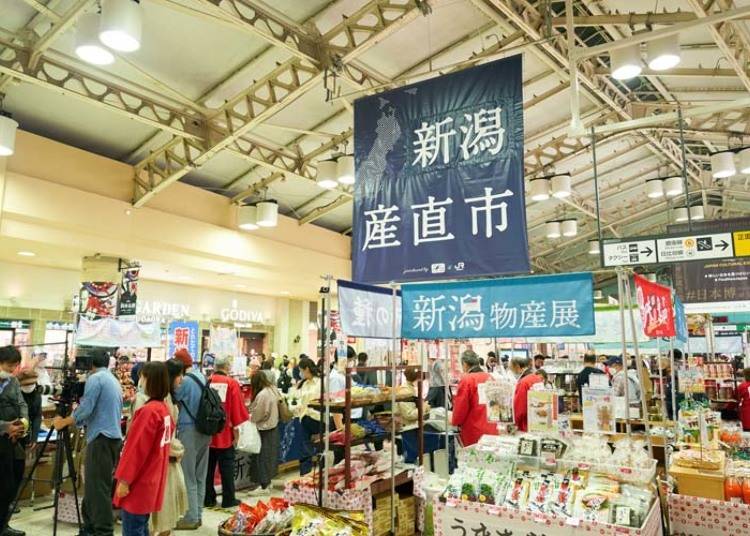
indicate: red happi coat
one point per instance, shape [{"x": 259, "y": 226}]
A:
[
  {"x": 145, "y": 458},
  {"x": 468, "y": 413},
  {"x": 743, "y": 395},
  {"x": 521, "y": 397}
]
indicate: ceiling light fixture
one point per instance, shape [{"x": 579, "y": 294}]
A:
[
  {"x": 88, "y": 46},
  {"x": 345, "y": 169},
  {"x": 327, "y": 176},
  {"x": 552, "y": 229},
  {"x": 593, "y": 247},
  {"x": 120, "y": 25},
  {"x": 539, "y": 189},
  {"x": 663, "y": 53},
  {"x": 27, "y": 254},
  {"x": 696, "y": 212},
  {"x": 8, "y": 127},
  {"x": 654, "y": 188},
  {"x": 247, "y": 217},
  {"x": 673, "y": 186},
  {"x": 680, "y": 214},
  {"x": 268, "y": 213},
  {"x": 625, "y": 62},
  {"x": 745, "y": 161},
  {"x": 598, "y": 294},
  {"x": 722, "y": 165},
  {"x": 561, "y": 186},
  {"x": 569, "y": 227}
]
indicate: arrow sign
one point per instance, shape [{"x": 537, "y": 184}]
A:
[
  {"x": 723, "y": 245},
  {"x": 695, "y": 247},
  {"x": 629, "y": 253},
  {"x": 647, "y": 252}
]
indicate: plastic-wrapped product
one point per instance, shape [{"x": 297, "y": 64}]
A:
[
  {"x": 518, "y": 491},
  {"x": 453, "y": 489},
  {"x": 470, "y": 485},
  {"x": 540, "y": 493},
  {"x": 563, "y": 498}
]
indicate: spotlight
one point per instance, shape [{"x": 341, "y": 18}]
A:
[
  {"x": 120, "y": 26},
  {"x": 625, "y": 62},
  {"x": 663, "y": 53},
  {"x": 247, "y": 217},
  {"x": 327, "y": 174},
  {"x": 88, "y": 46},
  {"x": 539, "y": 189},
  {"x": 561, "y": 186},
  {"x": 268, "y": 213}
]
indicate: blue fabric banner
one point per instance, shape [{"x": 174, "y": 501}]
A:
[
  {"x": 183, "y": 334},
  {"x": 368, "y": 311},
  {"x": 536, "y": 306},
  {"x": 680, "y": 320},
  {"x": 439, "y": 190}
]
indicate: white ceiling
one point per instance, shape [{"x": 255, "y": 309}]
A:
[{"x": 196, "y": 54}]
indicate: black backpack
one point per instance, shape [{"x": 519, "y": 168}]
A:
[{"x": 211, "y": 417}]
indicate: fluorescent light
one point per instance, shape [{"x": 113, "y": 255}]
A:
[
  {"x": 247, "y": 217},
  {"x": 345, "y": 169},
  {"x": 569, "y": 227},
  {"x": 88, "y": 46},
  {"x": 27, "y": 254},
  {"x": 680, "y": 214},
  {"x": 8, "y": 127},
  {"x": 561, "y": 186},
  {"x": 696, "y": 212},
  {"x": 722, "y": 165},
  {"x": 663, "y": 53},
  {"x": 745, "y": 161},
  {"x": 625, "y": 62},
  {"x": 552, "y": 229},
  {"x": 654, "y": 188},
  {"x": 120, "y": 26},
  {"x": 673, "y": 186},
  {"x": 539, "y": 189},
  {"x": 327, "y": 176},
  {"x": 593, "y": 247},
  {"x": 268, "y": 213}
]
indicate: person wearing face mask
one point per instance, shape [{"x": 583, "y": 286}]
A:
[
  {"x": 337, "y": 383},
  {"x": 13, "y": 427},
  {"x": 520, "y": 366},
  {"x": 468, "y": 413}
]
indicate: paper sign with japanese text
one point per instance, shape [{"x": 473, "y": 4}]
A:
[
  {"x": 183, "y": 334},
  {"x": 655, "y": 305},
  {"x": 535, "y": 306},
  {"x": 439, "y": 190}
]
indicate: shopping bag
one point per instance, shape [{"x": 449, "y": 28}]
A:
[{"x": 249, "y": 440}]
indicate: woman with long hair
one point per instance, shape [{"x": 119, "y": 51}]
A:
[
  {"x": 142, "y": 472},
  {"x": 308, "y": 391},
  {"x": 264, "y": 412}
]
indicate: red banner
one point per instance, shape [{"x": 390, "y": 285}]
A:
[{"x": 655, "y": 304}]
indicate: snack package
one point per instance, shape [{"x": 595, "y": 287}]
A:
[
  {"x": 487, "y": 486},
  {"x": 593, "y": 506},
  {"x": 563, "y": 498},
  {"x": 540, "y": 492},
  {"x": 518, "y": 491}
]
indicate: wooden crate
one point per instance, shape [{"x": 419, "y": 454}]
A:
[{"x": 699, "y": 482}]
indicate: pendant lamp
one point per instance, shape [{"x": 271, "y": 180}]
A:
[
  {"x": 345, "y": 169},
  {"x": 654, "y": 188},
  {"x": 8, "y": 127},
  {"x": 247, "y": 217},
  {"x": 569, "y": 227},
  {"x": 120, "y": 26},
  {"x": 327, "y": 176},
  {"x": 722, "y": 165},
  {"x": 88, "y": 46},
  {"x": 561, "y": 186},
  {"x": 663, "y": 53},
  {"x": 625, "y": 62},
  {"x": 539, "y": 189},
  {"x": 552, "y": 229},
  {"x": 673, "y": 186},
  {"x": 268, "y": 213}
]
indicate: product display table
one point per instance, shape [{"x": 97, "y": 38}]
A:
[
  {"x": 690, "y": 516},
  {"x": 463, "y": 518}
]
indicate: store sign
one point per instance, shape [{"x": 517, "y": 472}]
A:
[
  {"x": 181, "y": 334},
  {"x": 680, "y": 320},
  {"x": 368, "y": 311},
  {"x": 439, "y": 167},
  {"x": 156, "y": 310},
  {"x": 655, "y": 305},
  {"x": 15, "y": 324},
  {"x": 234, "y": 314},
  {"x": 59, "y": 326},
  {"x": 537, "y": 306}
]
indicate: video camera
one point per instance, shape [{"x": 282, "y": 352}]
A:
[{"x": 71, "y": 387}]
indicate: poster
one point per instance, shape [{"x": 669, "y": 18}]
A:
[
  {"x": 367, "y": 311},
  {"x": 98, "y": 299},
  {"x": 184, "y": 334},
  {"x": 655, "y": 305},
  {"x": 126, "y": 304},
  {"x": 542, "y": 410},
  {"x": 598, "y": 410},
  {"x": 439, "y": 190},
  {"x": 223, "y": 341},
  {"x": 690, "y": 380},
  {"x": 536, "y": 306}
]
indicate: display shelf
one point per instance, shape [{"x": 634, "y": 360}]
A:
[
  {"x": 384, "y": 485},
  {"x": 339, "y": 407},
  {"x": 370, "y": 438}
]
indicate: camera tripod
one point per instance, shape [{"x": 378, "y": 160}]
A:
[{"x": 63, "y": 455}]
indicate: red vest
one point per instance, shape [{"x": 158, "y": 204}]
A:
[{"x": 468, "y": 413}]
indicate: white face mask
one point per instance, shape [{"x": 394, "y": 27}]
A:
[
  {"x": 28, "y": 388},
  {"x": 4, "y": 375}
]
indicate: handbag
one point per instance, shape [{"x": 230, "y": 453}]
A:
[{"x": 249, "y": 440}]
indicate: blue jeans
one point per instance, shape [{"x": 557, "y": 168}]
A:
[
  {"x": 134, "y": 524},
  {"x": 195, "y": 469}
]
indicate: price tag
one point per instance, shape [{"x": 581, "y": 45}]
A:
[
  {"x": 493, "y": 510},
  {"x": 539, "y": 519},
  {"x": 573, "y": 521}
]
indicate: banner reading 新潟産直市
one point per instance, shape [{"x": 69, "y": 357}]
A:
[
  {"x": 535, "y": 306},
  {"x": 439, "y": 190}
]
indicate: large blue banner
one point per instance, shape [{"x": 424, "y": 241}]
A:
[
  {"x": 535, "y": 306},
  {"x": 439, "y": 188},
  {"x": 183, "y": 334},
  {"x": 680, "y": 320}
]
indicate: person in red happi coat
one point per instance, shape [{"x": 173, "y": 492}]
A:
[
  {"x": 743, "y": 395},
  {"x": 469, "y": 414},
  {"x": 521, "y": 368},
  {"x": 142, "y": 471}
]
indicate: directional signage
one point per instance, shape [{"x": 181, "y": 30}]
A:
[
  {"x": 629, "y": 253},
  {"x": 679, "y": 247},
  {"x": 695, "y": 248}
]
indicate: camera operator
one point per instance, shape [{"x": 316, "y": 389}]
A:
[
  {"x": 100, "y": 411},
  {"x": 13, "y": 427}
]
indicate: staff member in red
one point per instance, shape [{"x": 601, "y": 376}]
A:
[
  {"x": 222, "y": 450},
  {"x": 743, "y": 395},
  {"x": 142, "y": 472},
  {"x": 468, "y": 414},
  {"x": 521, "y": 367}
]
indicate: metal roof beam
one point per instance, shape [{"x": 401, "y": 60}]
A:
[
  {"x": 57, "y": 29},
  {"x": 266, "y": 97},
  {"x": 630, "y": 19},
  {"x": 688, "y": 72},
  {"x": 319, "y": 212},
  {"x": 44, "y": 10}
]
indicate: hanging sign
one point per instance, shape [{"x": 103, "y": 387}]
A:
[
  {"x": 183, "y": 334},
  {"x": 536, "y": 306},
  {"x": 680, "y": 320},
  {"x": 98, "y": 299},
  {"x": 126, "y": 304},
  {"x": 628, "y": 253},
  {"x": 655, "y": 305},
  {"x": 367, "y": 311},
  {"x": 695, "y": 247},
  {"x": 439, "y": 170}
]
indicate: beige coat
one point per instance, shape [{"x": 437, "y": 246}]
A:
[{"x": 264, "y": 410}]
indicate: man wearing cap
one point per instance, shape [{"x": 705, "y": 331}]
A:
[
  {"x": 195, "y": 460},
  {"x": 100, "y": 411},
  {"x": 618, "y": 381}
]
